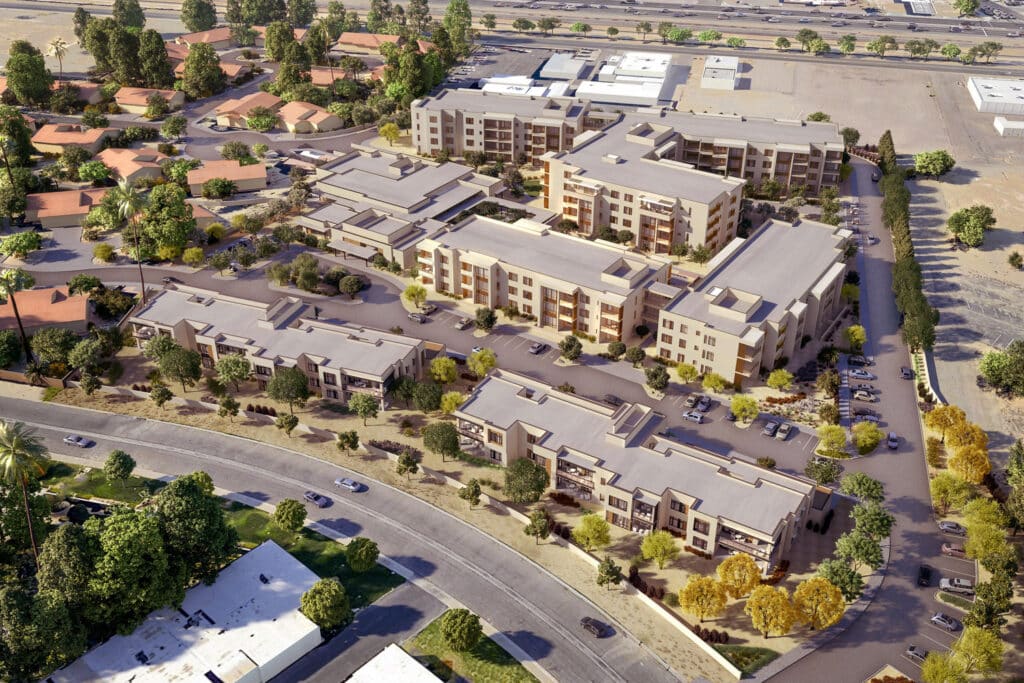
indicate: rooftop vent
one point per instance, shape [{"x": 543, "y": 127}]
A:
[
  {"x": 612, "y": 158},
  {"x": 264, "y": 579}
]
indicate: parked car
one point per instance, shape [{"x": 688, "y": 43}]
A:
[
  {"x": 691, "y": 400},
  {"x": 704, "y": 404},
  {"x": 870, "y": 388},
  {"x": 348, "y": 484},
  {"x": 427, "y": 309},
  {"x": 730, "y": 416},
  {"x": 892, "y": 441},
  {"x": 876, "y": 176},
  {"x": 961, "y": 586},
  {"x": 418, "y": 317},
  {"x": 694, "y": 416},
  {"x": 463, "y": 323},
  {"x": 477, "y": 349},
  {"x": 537, "y": 348},
  {"x": 867, "y": 418},
  {"x": 861, "y": 361},
  {"x": 952, "y": 528},
  {"x": 915, "y": 654},
  {"x": 953, "y": 550},
  {"x": 78, "y": 441},
  {"x": 945, "y": 621},
  {"x": 316, "y": 499},
  {"x": 770, "y": 429},
  {"x": 785, "y": 429},
  {"x": 857, "y": 373},
  {"x": 864, "y": 396},
  {"x": 596, "y": 628},
  {"x": 906, "y": 373},
  {"x": 924, "y": 575},
  {"x": 612, "y": 400}
]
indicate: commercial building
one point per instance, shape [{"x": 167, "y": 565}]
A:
[
  {"x": 136, "y": 100},
  {"x": 234, "y": 113},
  {"x": 760, "y": 298},
  {"x": 46, "y": 307},
  {"x": 997, "y": 95},
  {"x": 386, "y": 203},
  {"x": 62, "y": 209},
  {"x": 720, "y": 73},
  {"x": 132, "y": 165},
  {"x": 338, "y": 359},
  {"x": 620, "y": 178},
  {"x": 643, "y": 79},
  {"x": 395, "y": 665},
  {"x": 303, "y": 117},
  {"x": 1008, "y": 128},
  {"x": 563, "y": 66},
  {"x": 246, "y": 178},
  {"x": 244, "y": 628},
  {"x": 54, "y": 138},
  {"x": 504, "y": 127},
  {"x": 644, "y": 482},
  {"x": 566, "y": 283}
]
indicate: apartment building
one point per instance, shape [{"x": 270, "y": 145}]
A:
[
  {"x": 618, "y": 178},
  {"x": 613, "y": 456},
  {"x": 505, "y": 127},
  {"x": 566, "y": 283},
  {"x": 339, "y": 359},
  {"x": 761, "y": 296}
]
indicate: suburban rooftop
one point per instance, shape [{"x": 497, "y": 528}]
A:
[{"x": 471, "y": 101}]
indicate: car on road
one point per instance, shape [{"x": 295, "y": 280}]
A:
[
  {"x": 892, "y": 441},
  {"x": 694, "y": 416},
  {"x": 477, "y": 349},
  {"x": 961, "y": 586},
  {"x": 704, "y": 404},
  {"x": 169, "y": 280},
  {"x": 463, "y": 323},
  {"x": 78, "y": 441},
  {"x": 876, "y": 176},
  {"x": 348, "y": 484},
  {"x": 691, "y": 400},
  {"x": 770, "y": 428},
  {"x": 906, "y": 373},
  {"x": 953, "y": 550},
  {"x": 945, "y": 621},
  {"x": 596, "y": 628},
  {"x": 857, "y": 373},
  {"x": 785, "y": 429},
  {"x": 864, "y": 396},
  {"x": 418, "y": 317},
  {"x": 952, "y": 528},
  {"x": 915, "y": 654},
  {"x": 537, "y": 348},
  {"x": 612, "y": 400},
  {"x": 427, "y": 309},
  {"x": 317, "y": 499},
  {"x": 924, "y": 575}
]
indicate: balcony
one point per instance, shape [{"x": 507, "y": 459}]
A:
[
  {"x": 759, "y": 551},
  {"x": 576, "y": 474},
  {"x": 471, "y": 430}
]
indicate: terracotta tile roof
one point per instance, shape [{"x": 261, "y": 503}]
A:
[
  {"x": 295, "y": 112},
  {"x": 66, "y": 203},
  {"x": 125, "y": 162},
  {"x": 214, "y": 35},
  {"x": 139, "y": 96},
  {"x": 176, "y": 51},
  {"x": 229, "y": 169},
  {"x": 321, "y": 76},
  {"x": 68, "y": 134},
  {"x": 234, "y": 69},
  {"x": 86, "y": 89},
  {"x": 243, "y": 105},
  {"x": 3, "y": 84},
  {"x": 425, "y": 46},
  {"x": 50, "y": 306},
  {"x": 299, "y": 33},
  {"x": 371, "y": 41},
  {"x": 199, "y": 211}
]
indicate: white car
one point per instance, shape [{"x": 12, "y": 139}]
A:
[
  {"x": 944, "y": 621},
  {"x": 864, "y": 396},
  {"x": 857, "y": 373},
  {"x": 78, "y": 441},
  {"x": 349, "y": 484},
  {"x": 694, "y": 416}
]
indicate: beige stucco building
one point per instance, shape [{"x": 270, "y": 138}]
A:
[{"x": 759, "y": 299}]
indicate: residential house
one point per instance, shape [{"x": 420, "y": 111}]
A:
[
  {"x": 304, "y": 118},
  {"x": 246, "y": 178},
  {"x": 615, "y": 458},
  {"x": 88, "y": 92},
  {"x": 132, "y": 165},
  {"x": 53, "y": 138},
  {"x": 236, "y": 72},
  {"x": 339, "y": 359},
  {"x": 566, "y": 284},
  {"x": 219, "y": 38},
  {"x": 352, "y": 42},
  {"x": 261, "y": 35},
  {"x": 136, "y": 100},
  {"x": 233, "y": 113},
  {"x": 761, "y": 299},
  {"x": 61, "y": 209},
  {"x": 47, "y": 307}
]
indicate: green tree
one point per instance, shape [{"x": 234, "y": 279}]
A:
[
  {"x": 279, "y": 36},
  {"x": 461, "y": 629},
  {"x": 857, "y": 548},
  {"x": 485, "y": 319},
  {"x": 832, "y": 437},
  {"x": 739, "y": 575},
  {"x": 23, "y": 459},
  {"x": 458, "y": 22},
  {"x": 949, "y": 491},
  {"x": 522, "y": 25},
  {"x": 862, "y": 487},
  {"x": 872, "y": 520},
  {"x": 361, "y": 554},
  {"x": 770, "y": 610},
  {"x": 363, "y": 405},
  {"x": 547, "y": 25},
  {"x": 406, "y": 464},
  {"x": 709, "y": 36},
  {"x": 849, "y": 581},
  {"x": 471, "y": 493},
  {"x": 581, "y": 28},
  {"x": 828, "y": 383},
  {"x": 966, "y": 8},
  {"x": 643, "y": 28},
  {"x": 856, "y": 337},
  {"x": 390, "y": 132},
  {"x": 198, "y": 15},
  {"x": 481, "y": 362},
  {"x": 818, "y": 603},
  {"x": 866, "y": 437},
  {"x": 592, "y": 533},
  {"x": 233, "y": 368},
  {"x": 10, "y": 348},
  {"x": 950, "y": 51},
  {"x": 351, "y": 285},
  {"x": 326, "y": 604},
  {"x": 129, "y": 14},
  {"x": 882, "y": 44},
  {"x": 289, "y": 385},
  {"x": 118, "y": 466},
  {"x": 969, "y": 225},
  {"x": 780, "y": 379},
  {"x": 198, "y": 538},
  {"x": 971, "y": 463},
  {"x": 228, "y": 406},
  {"x": 94, "y": 172},
  {"x": 525, "y": 481},
  {"x": 160, "y": 395},
  {"x": 934, "y": 164},
  {"x": 301, "y": 12},
  {"x": 442, "y": 438},
  {"x": 539, "y": 526},
  {"x": 823, "y": 471},
  {"x": 450, "y": 401},
  {"x": 782, "y": 43},
  {"x": 173, "y": 127},
  {"x": 657, "y": 377},
  {"x": 608, "y": 573},
  {"x": 805, "y": 37},
  {"x": 940, "y": 667},
  {"x": 426, "y": 396},
  {"x": 745, "y": 408},
  {"x": 444, "y": 370},
  {"x": 571, "y": 348},
  {"x": 54, "y": 344},
  {"x": 290, "y": 514},
  {"x": 66, "y": 562},
  {"x": 182, "y": 365},
  {"x": 286, "y": 423},
  {"x": 202, "y": 76},
  {"x": 979, "y": 650},
  {"x": 702, "y": 596},
  {"x": 847, "y": 44},
  {"x": 28, "y": 79},
  {"x": 612, "y": 32},
  {"x": 21, "y": 244},
  {"x": 686, "y": 372}
]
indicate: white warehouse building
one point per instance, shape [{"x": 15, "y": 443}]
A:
[{"x": 997, "y": 95}]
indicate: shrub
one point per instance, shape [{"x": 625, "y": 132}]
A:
[
  {"x": 671, "y": 599},
  {"x": 767, "y": 463},
  {"x": 103, "y": 252}
]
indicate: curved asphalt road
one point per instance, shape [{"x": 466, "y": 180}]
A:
[{"x": 454, "y": 556}]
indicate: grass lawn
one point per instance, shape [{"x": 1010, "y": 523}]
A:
[
  {"x": 955, "y": 601},
  {"x": 747, "y": 659},
  {"x": 316, "y": 551},
  {"x": 65, "y": 478},
  {"x": 486, "y": 662}
]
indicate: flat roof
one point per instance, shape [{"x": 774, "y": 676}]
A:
[
  {"x": 563, "y": 65},
  {"x": 535, "y": 247},
  {"x": 724, "y": 487},
  {"x": 626, "y": 92},
  {"x": 651, "y": 64},
  {"x": 470, "y": 101},
  {"x": 999, "y": 90},
  {"x": 722, "y": 62},
  {"x": 225, "y": 631},
  {"x": 779, "y": 264},
  {"x": 747, "y": 128},
  {"x": 393, "y": 665},
  {"x": 276, "y": 337}
]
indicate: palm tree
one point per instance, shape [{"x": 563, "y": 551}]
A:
[
  {"x": 22, "y": 457},
  {"x": 129, "y": 202},
  {"x": 321, "y": 26},
  {"x": 15, "y": 280},
  {"x": 58, "y": 47}
]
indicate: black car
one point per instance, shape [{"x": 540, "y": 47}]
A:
[
  {"x": 317, "y": 499},
  {"x": 924, "y": 575},
  {"x": 597, "y": 628}
]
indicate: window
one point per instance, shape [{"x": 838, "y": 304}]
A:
[
  {"x": 261, "y": 370},
  {"x": 708, "y": 355},
  {"x": 617, "y": 503},
  {"x": 699, "y": 543},
  {"x": 512, "y": 291},
  {"x": 666, "y": 338},
  {"x": 527, "y": 282},
  {"x": 668, "y": 324},
  {"x": 628, "y": 198},
  {"x": 627, "y": 223},
  {"x": 682, "y": 343},
  {"x": 513, "y": 277},
  {"x": 527, "y": 294},
  {"x": 469, "y": 121},
  {"x": 700, "y": 526},
  {"x": 311, "y": 366},
  {"x": 495, "y": 437},
  {"x": 676, "y": 523},
  {"x": 615, "y": 194},
  {"x": 527, "y": 308},
  {"x": 330, "y": 379},
  {"x": 709, "y": 340},
  {"x": 677, "y": 506}
]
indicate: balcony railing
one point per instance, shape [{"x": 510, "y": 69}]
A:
[
  {"x": 578, "y": 475},
  {"x": 762, "y": 552}
]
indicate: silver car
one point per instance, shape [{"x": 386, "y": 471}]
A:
[
  {"x": 348, "y": 484},
  {"x": 945, "y": 621},
  {"x": 770, "y": 429}
]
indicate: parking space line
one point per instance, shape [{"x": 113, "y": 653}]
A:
[
  {"x": 911, "y": 661},
  {"x": 940, "y": 630},
  {"x": 969, "y": 574},
  {"x": 944, "y": 646}
]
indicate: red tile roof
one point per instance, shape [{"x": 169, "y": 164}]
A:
[
  {"x": 50, "y": 306},
  {"x": 139, "y": 96},
  {"x": 228, "y": 169},
  {"x": 66, "y": 203}
]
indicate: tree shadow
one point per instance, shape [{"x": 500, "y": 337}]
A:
[
  {"x": 417, "y": 565},
  {"x": 533, "y": 645}
]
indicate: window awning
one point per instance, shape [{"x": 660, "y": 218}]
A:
[{"x": 352, "y": 249}]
